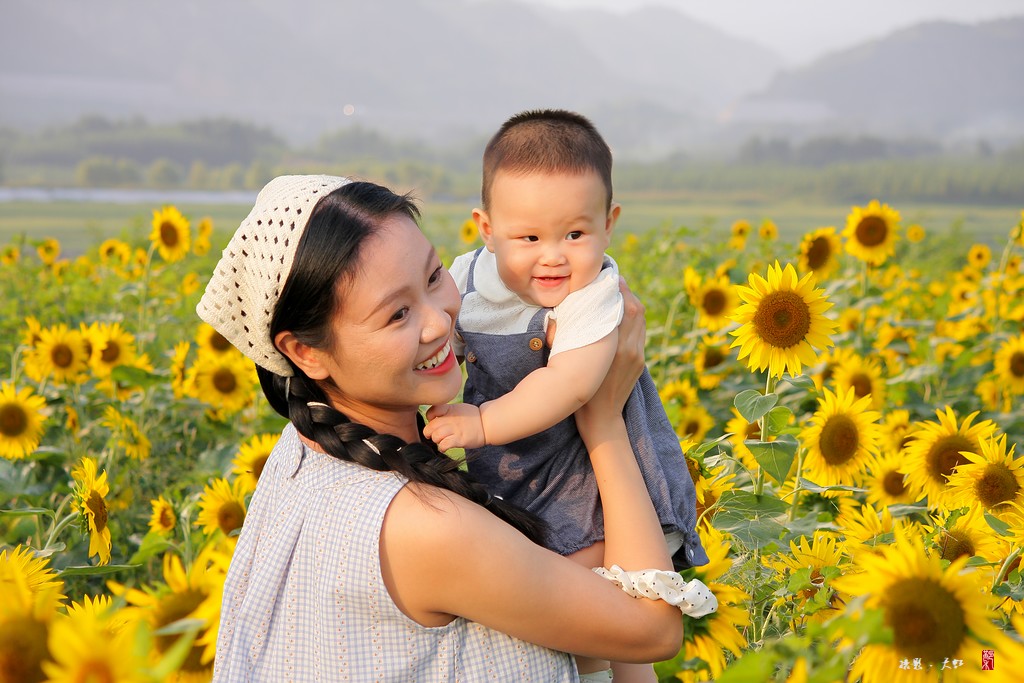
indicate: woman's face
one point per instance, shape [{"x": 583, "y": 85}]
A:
[{"x": 391, "y": 349}]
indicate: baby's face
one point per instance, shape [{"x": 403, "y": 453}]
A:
[{"x": 548, "y": 232}]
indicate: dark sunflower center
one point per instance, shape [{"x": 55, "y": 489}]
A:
[
  {"x": 257, "y": 466},
  {"x": 713, "y": 302},
  {"x": 169, "y": 610},
  {"x": 168, "y": 234},
  {"x": 927, "y": 620},
  {"x": 218, "y": 342},
  {"x": 861, "y": 384},
  {"x": 839, "y": 440},
  {"x": 691, "y": 427},
  {"x": 713, "y": 356},
  {"x": 753, "y": 430},
  {"x": 1017, "y": 364},
  {"x": 62, "y": 356},
  {"x": 13, "y": 420},
  {"x": 98, "y": 508},
  {"x": 167, "y": 520},
  {"x": 94, "y": 672},
  {"x": 111, "y": 352},
  {"x": 996, "y": 486},
  {"x": 782, "y": 319},
  {"x": 230, "y": 516},
  {"x": 22, "y": 649},
  {"x": 224, "y": 381},
  {"x": 944, "y": 456},
  {"x": 818, "y": 253},
  {"x": 872, "y": 231},
  {"x": 710, "y": 499},
  {"x": 955, "y": 544},
  {"x": 892, "y": 484}
]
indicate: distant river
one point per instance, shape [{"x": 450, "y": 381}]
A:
[{"x": 113, "y": 196}]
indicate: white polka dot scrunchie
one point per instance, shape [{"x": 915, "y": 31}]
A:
[{"x": 692, "y": 597}]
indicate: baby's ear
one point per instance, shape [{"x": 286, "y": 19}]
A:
[
  {"x": 613, "y": 216},
  {"x": 483, "y": 226}
]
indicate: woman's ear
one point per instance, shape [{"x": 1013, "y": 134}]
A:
[{"x": 307, "y": 358}]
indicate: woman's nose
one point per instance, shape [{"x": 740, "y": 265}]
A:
[{"x": 438, "y": 324}]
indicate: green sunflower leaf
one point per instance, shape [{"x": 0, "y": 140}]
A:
[
  {"x": 775, "y": 457},
  {"x": 752, "y": 405},
  {"x": 98, "y": 570}
]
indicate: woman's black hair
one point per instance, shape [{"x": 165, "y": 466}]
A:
[{"x": 327, "y": 253}]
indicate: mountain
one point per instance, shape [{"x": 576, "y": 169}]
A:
[
  {"x": 410, "y": 67},
  {"x": 935, "y": 79}
]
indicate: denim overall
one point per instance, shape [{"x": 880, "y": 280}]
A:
[{"x": 549, "y": 473}]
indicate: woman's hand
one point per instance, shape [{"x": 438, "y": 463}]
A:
[{"x": 607, "y": 404}]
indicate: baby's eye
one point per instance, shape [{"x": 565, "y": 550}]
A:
[
  {"x": 574, "y": 235},
  {"x": 399, "y": 315},
  {"x": 529, "y": 238}
]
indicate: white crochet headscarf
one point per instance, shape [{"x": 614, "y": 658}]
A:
[{"x": 240, "y": 298}]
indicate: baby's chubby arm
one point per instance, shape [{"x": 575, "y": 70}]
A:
[{"x": 541, "y": 400}]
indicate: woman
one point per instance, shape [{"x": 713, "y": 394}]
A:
[{"x": 366, "y": 554}]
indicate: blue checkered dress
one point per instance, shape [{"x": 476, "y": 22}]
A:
[{"x": 304, "y": 598}]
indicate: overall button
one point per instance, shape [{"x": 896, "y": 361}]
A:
[
  {"x": 536, "y": 343},
  {"x": 471, "y": 357}
]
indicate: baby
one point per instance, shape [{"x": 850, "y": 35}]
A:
[{"x": 538, "y": 329}]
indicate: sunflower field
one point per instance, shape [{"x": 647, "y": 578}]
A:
[{"x": 851, "y": 407}]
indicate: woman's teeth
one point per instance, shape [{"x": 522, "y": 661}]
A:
[{"x": 436, "y": 360}]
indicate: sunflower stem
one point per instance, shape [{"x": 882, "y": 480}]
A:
[
  {"x": 59, "y": 527},
  {"x": 762, "y": 423},
  {"x": 1004, "y": 570},
  {"x": 144, "y": 292},
  {"x": 796, "y": 488}
]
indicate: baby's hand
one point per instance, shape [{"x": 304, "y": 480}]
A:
[{"x": 455, "y": 425}]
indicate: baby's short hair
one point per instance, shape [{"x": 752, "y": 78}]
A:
[{"x": 546, "y": 141}]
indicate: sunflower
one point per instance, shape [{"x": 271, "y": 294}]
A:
[
  {"x": 850, "y": 320},
  {"x": 204, "y": 231},
  {"x": 710, "y": 361},
  {"x": 768, "y": 230},
  {"x": 468, "y": 232},
  {"x": 781, "y": 321},
  {"x": 937, "y": 450},
  {"x": 935, "y": 614},
  {"x": 123, "y": 389},
  {"x": 708, "y": 637},
  {"x": 90, "y": 500},
  {"x": 60, "y": 355},
  {"x": 864, "y": 376},
  {"x": 718, "y": 548},
  {"x": 21, "y": 421},
  {"x": 979, "y": 256},
  {"x": 691, "y": 282},
  {"x": 715, "y": 301},
  {"x": 189, "y": 284},
  {"x": 194, "y": 594},
  {"x": 967, "y": 535},
  {"x": 742, "y": 431},
  {"x": 871, "y": 232},
  {"x": 694, "y": 422},
  {"x": 887, "y": 482},
  {"x": 915, "y": 233},
  {"x": 115, "y": 253},
  {"x": 163, "y": 520},
  {"x": 31, "y": 578},
  {"x": 822, "y": 552},
  {"x": 740, "y": 228},
  {"x": 863, "y": 526},
  {"x": 252, "y": 457},
  {"x": 819, "y": 253},
  {"x": 1009, "y": 364},
  {"x": 991, "y": 479},
  {"x": 680, "y": 391},
  {"x": 709, "y": 485},
  {"x": 179, "y": 373},
  {"x": 30, "y": 336},
  {"x": 895, "y": 431},
  {"x": 10, "y": 255},
  {"x": 112, "y": 346},
  {"x": 127, "y": 434},
  {"x": 225, "y": 382},
  {"x": 48, "y": 250},
  {"x": 210, "y": 340},
  {"x": 23, "y": 644},
  {"x": 170, "y": 234},
  {"x": 840, "y": 440},
  {"x": 88, "y": 647},
  {"x": 222, "y": 506}
]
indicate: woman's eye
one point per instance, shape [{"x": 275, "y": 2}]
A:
[
  {"x": 575, "y": 235},
  {"x": 436, "y": 275}
]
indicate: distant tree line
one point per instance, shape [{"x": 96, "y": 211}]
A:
[{"x": 228, "y": 155}]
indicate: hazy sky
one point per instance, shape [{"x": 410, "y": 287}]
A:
[{"x": 800, "y": 30}]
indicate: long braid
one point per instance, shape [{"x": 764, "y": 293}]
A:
[{"x": 421, "y": 462}]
